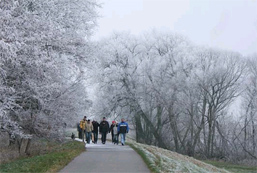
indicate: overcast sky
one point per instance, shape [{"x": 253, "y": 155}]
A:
[{"x": 226, "y": 24}]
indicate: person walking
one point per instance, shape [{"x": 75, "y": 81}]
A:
[
  {"x": 115, "y": 133},
  {"x": 123, "y": 128},
  {"x": 95, "y": 131},
  {"x": 104, "y": 129},
  {"x": 82, "y": 125},
  {"x": 111, "y": 130},
  {"x": 88, "y": 129}
]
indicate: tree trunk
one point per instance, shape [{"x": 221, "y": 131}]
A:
[
  {"x": 209, "y": 139},
  {"x": 197, "y": 135},
  {"x": 173, "y": 126},
  {"x": 153, "y": 130},
  {"x": 139, "y": 129},
  {"x": 213, "y": 137},
  {"x": 253, "y": 137},
  {"x": 245, "y": 134}
]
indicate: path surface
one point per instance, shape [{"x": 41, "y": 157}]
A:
[{"x": 106, "y": 158}]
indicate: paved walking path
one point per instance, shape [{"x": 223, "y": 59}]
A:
[{"x": 106, "y": 158}]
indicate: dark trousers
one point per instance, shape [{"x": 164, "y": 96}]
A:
[
  {"x": 104, "y": 137},
  {"x": 95, "y": 136},
  {"x": 116, "y": 139},
  {"x": 80, "y": 134},
  {"x": 112, "y": 137}
]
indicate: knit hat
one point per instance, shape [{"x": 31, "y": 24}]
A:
[{"x": 113, "y": 122}]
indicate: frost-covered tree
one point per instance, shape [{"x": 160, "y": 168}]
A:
[
  {"x": 44, "y": 48},
  {"x": 245, "y": 133},
  {"x": 219, "y": 78},
  {"x": 176, "y": 94},
  {"x": 137, "y": 76}
]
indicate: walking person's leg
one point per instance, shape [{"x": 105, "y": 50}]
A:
[
  {"x": 92, "y": 137},
  {"x": 116, "y": 139},
  {"x": 96, "y": 137},
  {"x": 83, "y": 135},
  {"x": 89, "y": 137},
  {"x": 122, "y": 138},
  {"x": 104, "y": 137}
]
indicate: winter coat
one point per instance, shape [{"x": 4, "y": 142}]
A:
[
  {"x": 104, "y": 127},
  {"x": 114, "y": 129},
  {"x": 78, "y": 127},
  {"x": 95, "y": 125},
  {"x": 123, "y": 127},
  {"x": 89, "y": 127},
  {"x": 82, "y": 124}
]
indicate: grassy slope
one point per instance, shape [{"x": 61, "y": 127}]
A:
[
  {"x": 232, "y": 167},
  {"x": 161, "y": 160},
  {"x": 51, "y": 162}
]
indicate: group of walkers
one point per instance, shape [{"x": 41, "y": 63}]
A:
[{"x": 88, "y": 130}]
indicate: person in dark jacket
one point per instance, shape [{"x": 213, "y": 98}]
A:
[
  {"x": 95, "y": 131},
  {"x": 104, "y": 129},
  {"x": 79, "y": 131},
  {"x": 123, "y": 128},
  {"x": 111, "y": 130}
]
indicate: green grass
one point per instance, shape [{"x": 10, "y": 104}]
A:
[
  {"x": 144, "y": 157},
  {"x": 51, "y": 162},
  {"x": 232, "y": 167}
]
